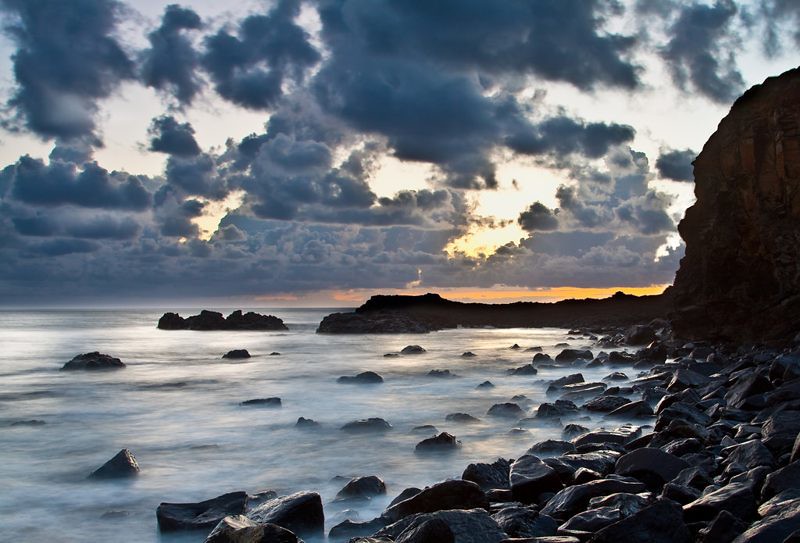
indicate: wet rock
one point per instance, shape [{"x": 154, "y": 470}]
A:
[
  {"x": 725, "y": 527},
  {"x": 461, "y": 418},
  {"x": 551, "y": 447},
  {"x": 558, "y": 409},
  {"x": 776, "y": 527},
  {"x": 370, "y": 425},
  {"x": 425, "y": 429},
  {"x": 485, "y": 385},
  {"x": 303, "y": 422},
  {"x": 571, "y": 431},
  {"x": 442, "y": 443},
  {"x": 779, "y": 502},
  {"x": 616, "y": 376},
  {"x": 605, "y": 404},
  {"x": 574, "y": 499},
  {"x": 122, "y": 465},
  {"x": 653, "y": 467},
  {"x": 453, "y": 494},
  {"x": 466, "y": 526},
  {"x": 405, "y": 494},
  {"x": 679, "y": 493},
  {"x": 618, "y": 436},
  {"x": 619, "y": 506},
  {"x": 745, "y": 388},
  {"x": 572, "y": 379},
  {"x": 737, "y": 498},
  {"x": 93, "y": 361},
  {"x": 541, "y": 358},
  {"x": 524, "y": 522},
  {"x": 489, "y": 476},
  {"x": 600, "y": 461},
  {"x": 240, "y": 529},
  {"x": 637, "y": 409},
  {"x": 377, "y": 322},
  {"x": 274, "y": 353},
  {"x": 29, "y": 422},
  {"x": 780, "y": 430},
  {"x": 531, "y": 478},
  {"x": 441, "y": 374},
  {"x": 506, "y": 409},
  {"x": 785, "y": 478},
  {"x": 686, "y": 378},
  {"x": 212, "y": 320},
  {"x": 362, "y": 487},
  {"x": 747, "y": 455},
  {"x": 412, "y": 349},
  {"x": 237, "y": 354},
  {"x": 468, "y": 354},
  {"x": 571, "y": 355},
  {"x": 661, "y": 522},
  {"x": 300, "y": 512},
  {"x": 434, "y": 530},
  {"x": 203, "y": 515},
  {"x": 640, "y": 335},
  {"x": 363, "y": 378},
  {"x": 349, "y": 528},
  {"x": 263, "y": 402},
  {"x": 527, "y": 369}
]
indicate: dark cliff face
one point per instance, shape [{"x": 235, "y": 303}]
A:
[{"x": 740, "y": 278}]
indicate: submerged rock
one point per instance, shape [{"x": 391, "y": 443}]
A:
[
  {"x": 263, "y": 402},
  {"x": 203, "y": 515},
  {"x": 121, "y": 466},
  {"x": 444, "y": 442},
  {"x": 237, "y": 354},
  {"x": 363, "y": 378},
  {"x": 303, "y": 422},
  {"x": 412, "y": 349},
  {"x": 461, "y": 418},
  {"x": 93, "y": 361},
  {"x": 507, "y": 409},
  {"x": 370, "y": 425}
]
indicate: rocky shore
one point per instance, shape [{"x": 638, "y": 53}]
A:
[
  {"x": 212, "y": 320},
  {"x": 710, "y": 453}
]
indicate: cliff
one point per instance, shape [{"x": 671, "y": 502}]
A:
[{"x": 740, "y": 277}]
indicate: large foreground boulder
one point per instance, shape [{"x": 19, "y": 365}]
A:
[
  {"x": 464, "y": 525},
  {"x": 300, "y": 512},
  {"x": 240, "y": 529},
  {"x": 454, "y": 494},
  {"x": 740, "y": 278},
  {"x": 203, "y": 515}
]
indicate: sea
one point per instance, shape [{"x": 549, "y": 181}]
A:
[{"x": 176, "y": 406}]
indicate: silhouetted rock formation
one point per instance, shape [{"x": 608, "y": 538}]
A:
[
  {"x": 429, "y": 312},
  {"x": 93, "y": 361},
  {"x": 740, "y": 278},
  {"x": 212, "y": 320}
]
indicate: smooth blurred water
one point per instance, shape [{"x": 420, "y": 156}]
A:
[{"x": 176, "y": 406}]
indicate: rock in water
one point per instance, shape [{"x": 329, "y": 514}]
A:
[
  {"x": 362, "y": 487},
  {"x": 444, "y": 442},
  {"x": 300, "y": 512},
  {"x": 740, "y": 278},
  {"x": 363, "y": 378},
  {"x": 212, "y": 320},
  {"x": 412, "y": 349},
  {"x": 201, "y": 515},
  {"x": 240, "y": 529},
  {"x": 122, "y": 465},
  {"x": 93, "y": 361},
  {"x": 237, "y": 354}
]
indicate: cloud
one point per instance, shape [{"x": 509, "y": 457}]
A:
[
  {"x": 61, "y": 183},
  {"x": 251, "y": 69},
  {"x": 701, "y": 52},
  {"x": 171, "y": 62},
  {"x": 537, "y": 217},
  {"x": 563, "y": 136},
  {"x": 676, "y": 165},
  {"x": 171, "y": 137},
  {"x": 76, "y": 226},
  {"x": 66, "y": 60}
]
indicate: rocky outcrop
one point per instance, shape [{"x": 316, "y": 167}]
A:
[
  {"x": 740, "y": 278},
  {"x": 93, "y": 361},
  {"x": 430, "y": 312},
  {"x": 212, "y": 320},
  {"x": 121, "y": 466}
]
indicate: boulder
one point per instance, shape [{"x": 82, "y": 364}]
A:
[
  {"x": 461, "y": 418},
  {"x": 240, "y": 529},
  {"x": 653, "y": 467},
  {"x": 488, "y": 476},
  {"x": 441, "y": 374},
  {"x": 571, "y": 355},
  {"x": 637, "y": 409},
  {"x": 363, "y": 378},
  {"x": 433, "y": 530},
  {"x": 507, "y": 409},
  {"x": 557, "y": 409},
  {"x": 384, "y": 322},
  {"x": 370, "y": 425},
  {"x": 300, "y": 512},
  {"x": 362, "y": 488},
  {"x": 468, "y": 354},
  {"x": 786, "y": 478},
  {"x": 485, "y": 385},
  {"x": 93, "y": 361},
  {"x": 203, "y": 515},
  {"x": 574, "y": 499},
  {"x": 453, "y": 494},
  {"x": 527, "y": 369},
  {"x": 640, "y": 335},
  {"x": 616, "y": 376},
  {"x": 212, "y": 320},
  {"x": 352, "y": 529},
  {"x": 571, "y": 379},
  {"x": 465, "y": 525},
  {"x": 530, "y": 479},
  {"x": 303, "y": 422},
  {"x": 725, "y": 527},
  {"x": 661, "y": 522},
  {"x": 122, "y": 465},
  {"x": 520, "y": 522},
  {"x": 412, "y": 349},
  {"x": 551, "y": 447},
  {"x": 237, "y": 354},
  {"x": 442, "y": 443},
  {"x": 736, "y": 498},
  {"x": 774, "y": 528},
  {"x": 605, "y": 404},
  {"x": 263, "y": 402}
]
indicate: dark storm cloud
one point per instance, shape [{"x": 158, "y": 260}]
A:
[
  {"x": 94, "y": 227},
  {"x": 250, "y": 69},
  {"x": 60, "y": 183},
  {"x": 563, "y": 135},
  {"x": 65, "y": 246},
  {"x": 701, "y": 52},
  {"x": 171, "y": 62},
  {"x": 557, "y": 40},
  {"x": 779, "y": 17},
  {"x": 174, "y": 215},
  {"x": 66, "y": 60},
  {"x": 171, "y": 137},
  {"x": 676, "y": 165},
  {"x": 537, "y": 217},
  {"x": 196, "y": 175}
]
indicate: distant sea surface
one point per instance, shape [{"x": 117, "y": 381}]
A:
[{"x": 177, "y": 407}]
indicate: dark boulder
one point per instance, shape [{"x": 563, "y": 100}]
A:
[
  {"x": 300, "y": 512},
  {"x": 488, "y": 476},
  {"x": 572, "y": 379},
  {"x": 661, "y": 522},
  {"x": 203, "y": 515},
  {"x": 531, "y": 478},
  {"x": 441, "y": 374},
  {"x": 303, "y": 422},
  {"x": 559, "y": 408},
  {"x": 352, "y": 529},
  {"x": 637, "y": 409},
  {"x": 240, "y": 529},
  {"x": 551, "y": 447},
  {"x": 434, "y": 530},
  {"x": 237, "y": 354},
  {"x": 485, "y": 385},
  {"x": 522, "y": 522},
  {"x": 93, "y": 361},
  {"x": 507, "y": 409},
  {"x": 640, "y": 335},
  {"x": 724, "y": 528},
  {"x": 379, "y": 322},
  {"x": 121, "y": 466},
  {"x": 527, "y": 369},
  {"x": 363, "y": 378},
  {"x": 786, "y": 478},
  {"x": 461, "y": 418},
  {"x": 605, "y": 404},
  {"x": 212, "y": 320},
  {"x": 370, "y": 425},
  {"x": 468, "y": 354},
  {"x": 443, "y": 443},
  {"x": 453, "y": 494},
  {"x": 263, "y": 402},
  {"x": 774, "y": 528},
  {"x": 574, "y": 499},
  {"x": 412, "y": 349},
  {"x": 653, "y": 467},
  {"x": 571, "y": 355},
  {"x": 362, "y": 487},
  {"x": 466, "y": 526},
  {"x": 736, "y": 498}
]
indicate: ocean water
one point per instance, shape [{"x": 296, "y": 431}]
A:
[{"x": 176, "y": 406}]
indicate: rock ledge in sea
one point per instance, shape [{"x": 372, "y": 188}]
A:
[
  {"x": 213, "y": 320},
  {"x": 93, "y": 361}
]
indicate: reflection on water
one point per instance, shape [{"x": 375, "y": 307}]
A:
[{"x": 177, "y": 407}]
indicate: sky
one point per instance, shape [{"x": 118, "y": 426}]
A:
[{"x": 312, "y": 153}]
